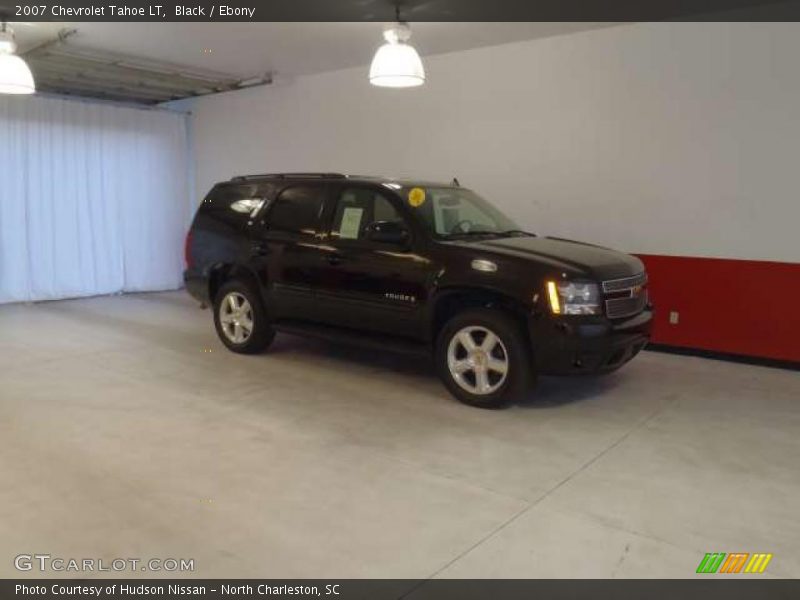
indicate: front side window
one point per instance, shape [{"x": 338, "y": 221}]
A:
[
  {"x": 356, "y": 209},
  {"x": 297, "y": 210},
  {"x": 453, "y": 212}
]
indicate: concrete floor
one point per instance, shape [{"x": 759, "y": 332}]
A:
[{"x": 127, "y": 430}]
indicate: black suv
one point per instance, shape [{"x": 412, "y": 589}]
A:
[{"x": 414, "y": 266}]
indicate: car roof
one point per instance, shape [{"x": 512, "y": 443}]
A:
[{"x": 338, "y": 177}]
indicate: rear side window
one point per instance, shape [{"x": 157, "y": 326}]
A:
[
  {"x": 298, "y": 210},
  {"x": 234, "y": 204}
]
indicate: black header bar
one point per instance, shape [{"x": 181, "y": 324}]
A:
[{"x": 410, "y": 10}]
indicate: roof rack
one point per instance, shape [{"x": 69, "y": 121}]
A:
[{"x": 290, "y": 176}]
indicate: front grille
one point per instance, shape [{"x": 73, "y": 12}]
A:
[
  {"x": 626, "y": 307},
  {"x": 628, "y": 296},
  {"x": 627, "y": 283}
]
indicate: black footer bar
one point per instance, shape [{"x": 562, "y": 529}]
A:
[{"x": 386, "y": 589}]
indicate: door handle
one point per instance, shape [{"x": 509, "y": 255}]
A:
[{"x": 334, "y": 259}]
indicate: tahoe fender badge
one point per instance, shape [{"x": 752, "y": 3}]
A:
[{"x": 401, "y": 297}]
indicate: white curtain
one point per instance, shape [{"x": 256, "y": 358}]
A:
[{"x": 94, "y": 198}]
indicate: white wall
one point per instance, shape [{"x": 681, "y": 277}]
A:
[{"x": 667, "y": 138}]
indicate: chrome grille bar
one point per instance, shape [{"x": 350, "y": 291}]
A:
[
  {"x": 626, "y": 305},
  {"x": 626, "y": 283}
]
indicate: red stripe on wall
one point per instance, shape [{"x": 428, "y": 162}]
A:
[{"x": 742, "y": 307}]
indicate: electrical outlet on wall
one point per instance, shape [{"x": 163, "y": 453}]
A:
[{"x": 673, "y": 317}]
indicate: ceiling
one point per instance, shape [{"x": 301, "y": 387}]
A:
[{"x": 245, "y": 50}]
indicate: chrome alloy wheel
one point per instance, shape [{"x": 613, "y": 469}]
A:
[
  {"x": 236, "y": 317},
  {"x": 478, "y": 360}
]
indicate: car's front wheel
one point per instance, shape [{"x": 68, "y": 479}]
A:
[
  {"x": 240, "y": 319},
  {"x": 483, "y": 359}
]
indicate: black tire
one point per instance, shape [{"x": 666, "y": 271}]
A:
[
  {"x": 513, "y": 350},
  {"x": 261, "y": 334}
]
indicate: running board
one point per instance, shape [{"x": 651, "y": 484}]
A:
[{"x": 350, "y": 337}]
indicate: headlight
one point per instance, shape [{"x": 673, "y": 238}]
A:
[{"x": 571, "y": 298}]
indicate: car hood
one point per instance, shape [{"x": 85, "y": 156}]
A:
[{"x": 588, "y": 260}]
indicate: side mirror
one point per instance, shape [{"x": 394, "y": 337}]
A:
[{"x": 387, "y": 232}]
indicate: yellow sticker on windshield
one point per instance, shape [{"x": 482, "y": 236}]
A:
[{"x": 416, "y": 197}]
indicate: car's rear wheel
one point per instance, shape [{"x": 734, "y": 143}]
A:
[
  {"x": 483, "y": 359},
  {"x": 240, "y": 319}
]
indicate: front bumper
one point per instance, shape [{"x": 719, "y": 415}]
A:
[{"x": 587, "y": 344}]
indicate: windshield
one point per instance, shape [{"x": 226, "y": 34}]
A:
[{"x": 450, "y": 212}]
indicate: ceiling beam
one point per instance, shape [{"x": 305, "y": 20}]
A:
[
  {"x": 63, "y": 68},
  {"x": 84, "y": 88},
  {"x": 110, "y": 77},
  {"x": 112, "y": 67}
]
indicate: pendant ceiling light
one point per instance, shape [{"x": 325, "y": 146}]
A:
[
  {"x": 396, "y": 63},
  {"x": 15, "y": 76}
]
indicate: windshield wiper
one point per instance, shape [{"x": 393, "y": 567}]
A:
[
  {"x": 517, "y": 232},
  {"x": 471, "y": 233},
  {"x": 507, "y": 233}
]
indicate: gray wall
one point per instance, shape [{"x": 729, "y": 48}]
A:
[{"x": 664, "y": 138}]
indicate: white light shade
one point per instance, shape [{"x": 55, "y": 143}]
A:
[
  {"x": 397, "y": 64},
  {"x": 15, "y": 76}
]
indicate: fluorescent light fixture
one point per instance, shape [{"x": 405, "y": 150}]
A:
[
  {"x": 15, "y": 75},
  {"x": 396, "y": 63}
]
